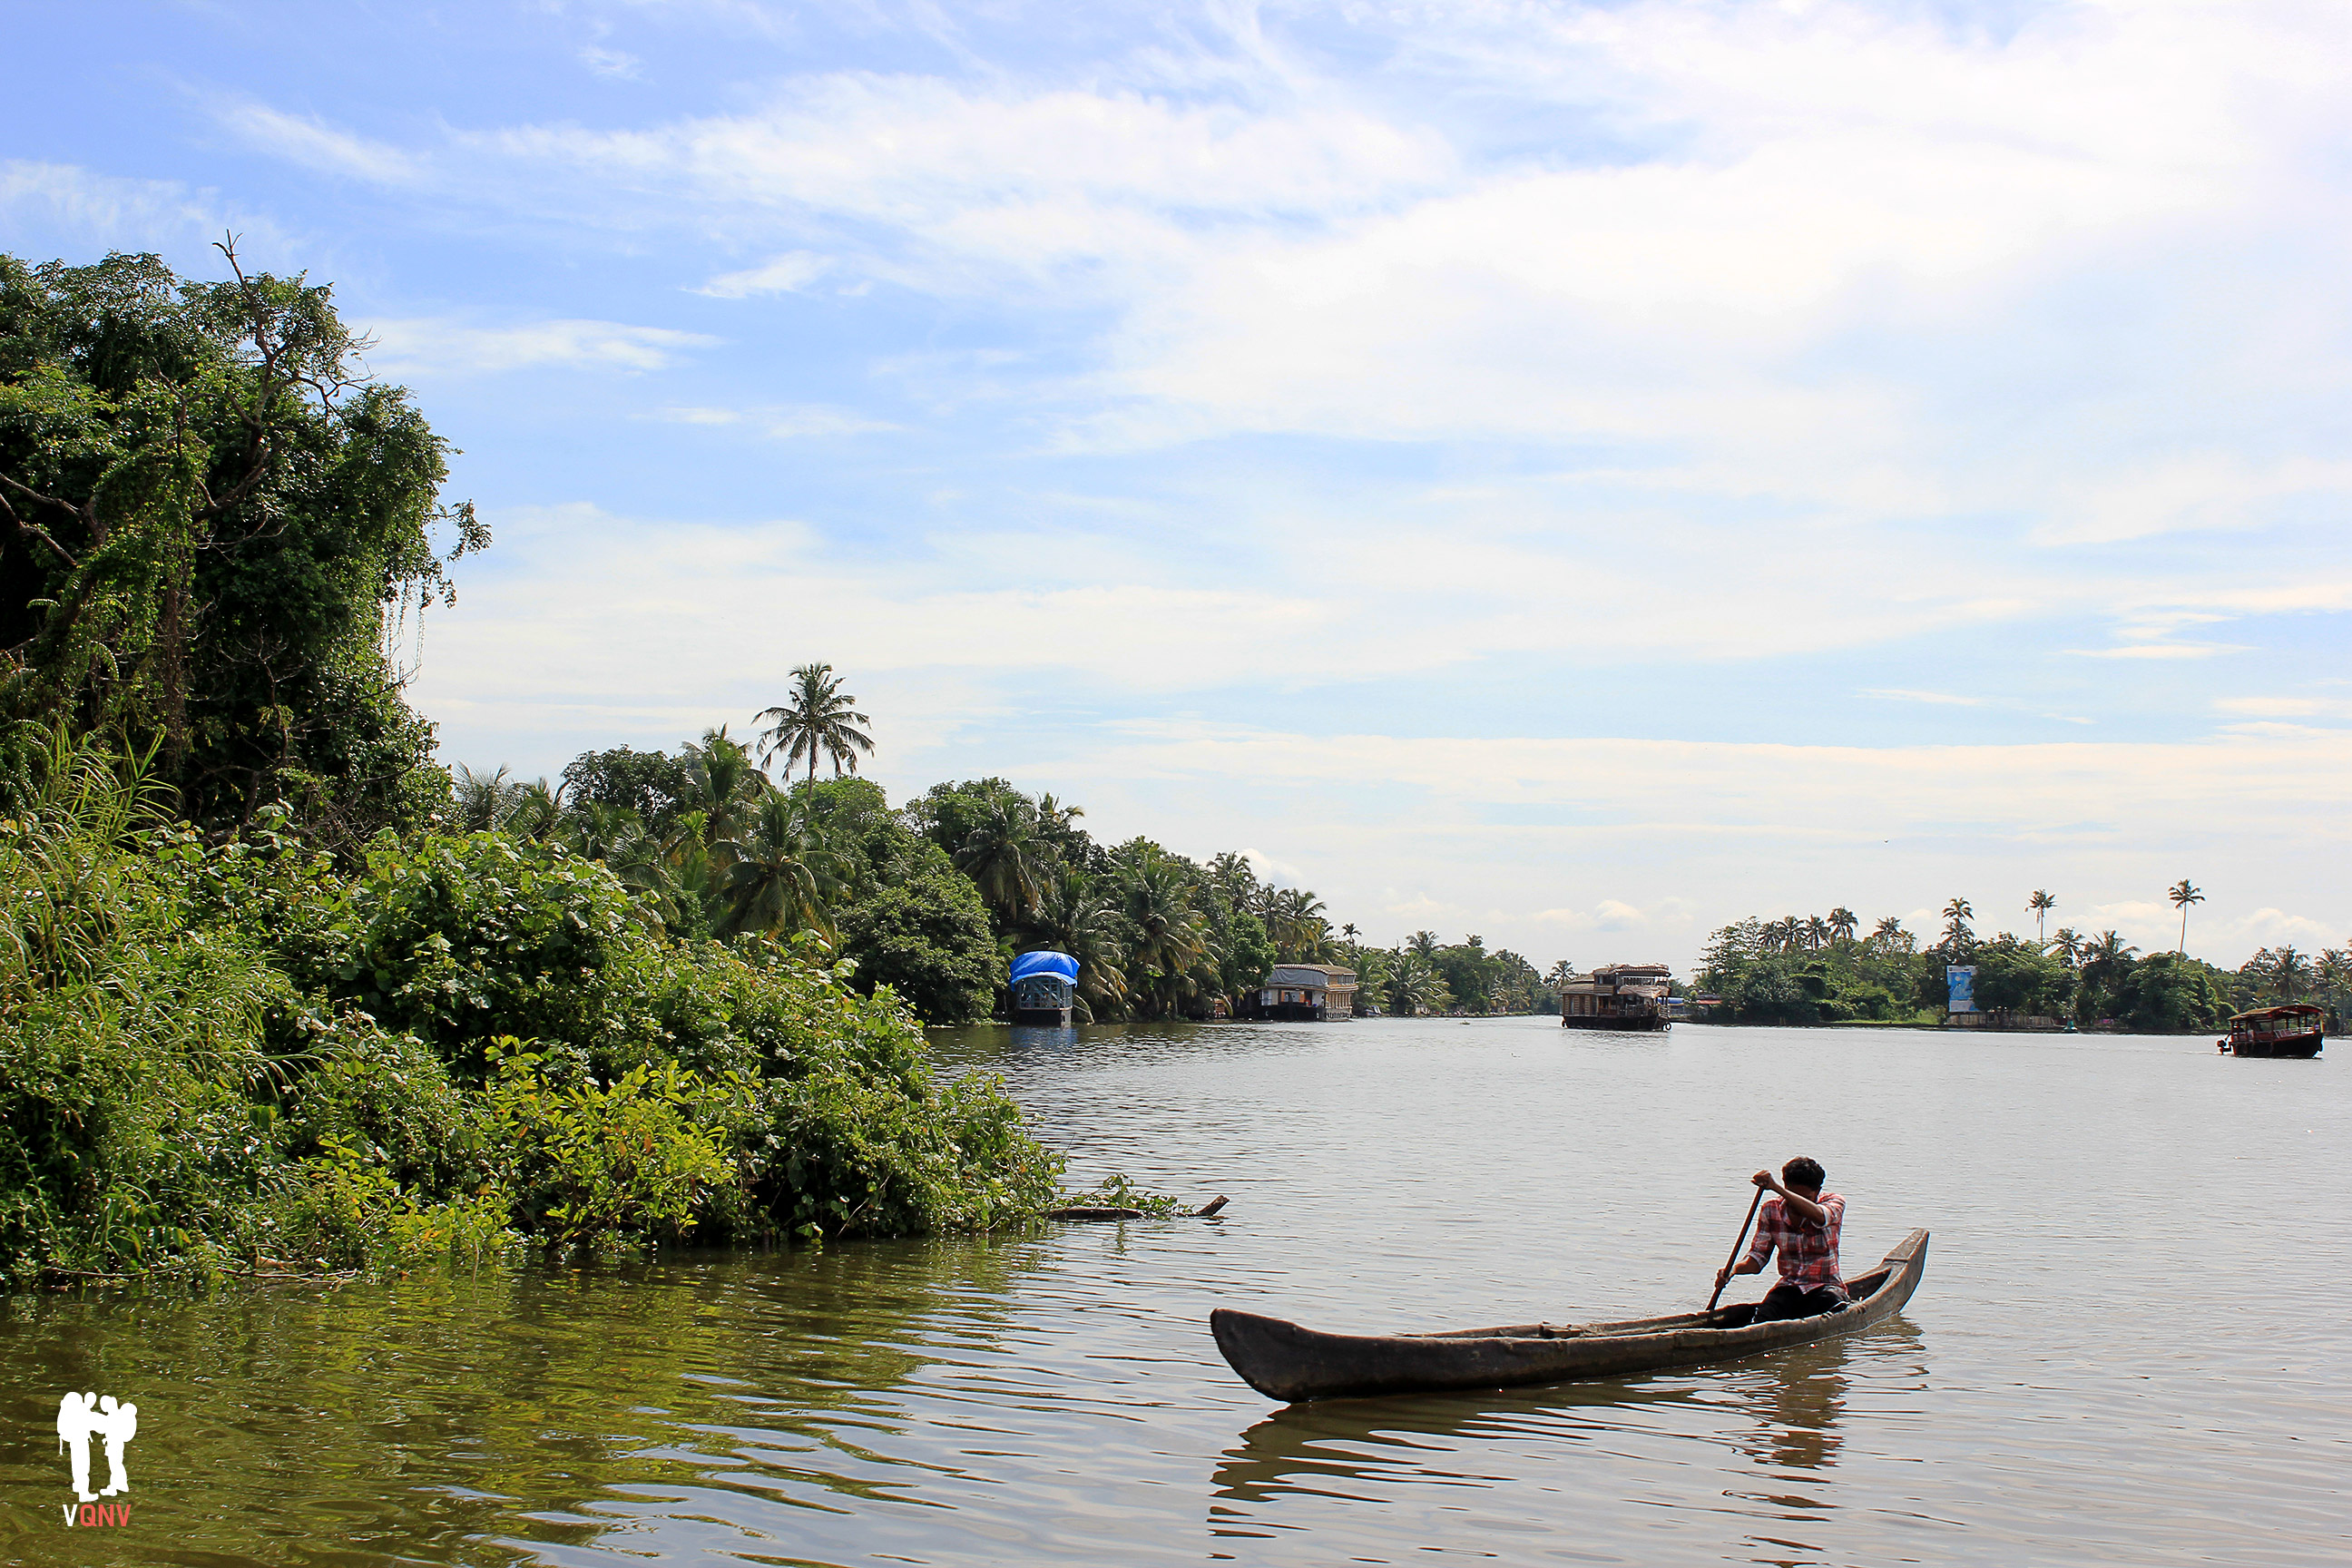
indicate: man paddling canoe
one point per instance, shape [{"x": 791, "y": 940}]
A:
[{"x": 1801, "y": 1222}]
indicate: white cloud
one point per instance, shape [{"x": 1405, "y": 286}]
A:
[
  {"x": 2283, "y": 707},
  {"x": 1749, "y": 248},
  {"x": 2204, "y": 491},
  {"x": 427, "y": 345},
  {"x": 793, "y": 270},
  {"x": 65, "y": 203},
  {"x": 1945, "y": 698},
  {"x": 615, "y": 63},
  {"x": 783, "y": 422},
  {"x": 313, "y": 143},
  {"x": 2166, "y": 650}
]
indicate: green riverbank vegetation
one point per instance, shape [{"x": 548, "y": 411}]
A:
[
  {"x": 1824, "y": 969},
  {"x": 268, "y": 1002}
]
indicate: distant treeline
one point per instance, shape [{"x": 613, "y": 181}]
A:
[
  {"x": 931, "y": 897},
  {"x": 1822, "y": 970}
]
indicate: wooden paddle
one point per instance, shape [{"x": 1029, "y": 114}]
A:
[{"x": 1754, "y": 1203}]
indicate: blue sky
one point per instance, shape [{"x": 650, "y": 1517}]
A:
[{"x": 1578, "y": 474}]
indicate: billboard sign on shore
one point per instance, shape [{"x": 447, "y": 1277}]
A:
[{"x": 1960, "y": 986}]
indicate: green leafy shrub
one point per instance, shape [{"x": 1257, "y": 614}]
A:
[
  {"x": 598, "y": 1163},
  {"x": 137, "y": 1128},
  {"x": 344, "y": 1210},
  {"x": 833, "y": 1154}
]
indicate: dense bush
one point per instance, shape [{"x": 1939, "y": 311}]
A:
[
  {"x": 235, "y": 1054},
  {"x": 926, "y": 939}
]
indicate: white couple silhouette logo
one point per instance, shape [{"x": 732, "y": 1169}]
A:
[{"x": 80, "y": 1418}]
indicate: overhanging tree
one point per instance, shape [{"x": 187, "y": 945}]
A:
[{"x": 208, "y": 520}]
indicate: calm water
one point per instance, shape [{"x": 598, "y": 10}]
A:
[{"x": 2130, "y": 1346}]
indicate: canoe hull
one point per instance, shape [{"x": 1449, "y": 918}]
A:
[{"x": 1284, "y": 1361}]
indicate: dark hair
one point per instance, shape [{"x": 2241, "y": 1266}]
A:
[{"x": 1803, "y": 1171}]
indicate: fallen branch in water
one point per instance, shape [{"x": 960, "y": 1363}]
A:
[{"x": 1119, "y": 1199}]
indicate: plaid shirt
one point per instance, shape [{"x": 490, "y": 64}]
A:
[{"x": 1809, "y": 1252}]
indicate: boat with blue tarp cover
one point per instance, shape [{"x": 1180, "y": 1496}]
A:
[{"x": 1044, "y": 988}]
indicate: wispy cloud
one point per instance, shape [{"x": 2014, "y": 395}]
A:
[
  {"x": 792, "y": 270},
  {"x": 73, "y": 204},
  {"x": 2159, "y": 651},
  {"x": 429, "y": 346},
  {"x": 784, "y": 421},
  {"x": 1898, "y": 694},
  {"x": 316, "y": 144},
  {"x": 616, "y": 63}
]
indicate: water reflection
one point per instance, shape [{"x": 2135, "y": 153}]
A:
[
  {"x": 1782, "y": 1414},
  {"x": 1797, "y": 1408},
  {"x": 1033, "y": 1036},
  {"x": 462, "y": 1420}
]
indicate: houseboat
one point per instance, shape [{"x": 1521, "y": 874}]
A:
[
  {"x": 2293, "y": 1030},
  {"x": 1044, "y": 988},
  {"x": 1618, "y": 997},
  {"x": 1321, "y": 992}
]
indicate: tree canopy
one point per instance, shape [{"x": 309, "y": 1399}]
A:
[{"x": 212, "y": 527}]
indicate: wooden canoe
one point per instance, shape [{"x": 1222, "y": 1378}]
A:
[{"x": 1285, "y": 1361}]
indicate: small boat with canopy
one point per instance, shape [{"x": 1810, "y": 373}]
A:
[
  {"x": 1044, "y": 988},
  {"x": 2293, "y": 1030}
]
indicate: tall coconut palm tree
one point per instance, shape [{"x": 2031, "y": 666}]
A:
[
  {"x": 1888, "y": 933},
  {"x": 1817, "y": 932},
  {"x": 1299, "y": 930},
  {"x": 1168, "y": 935},
  {"x": 1424, "y": 944},
  {"x": 2040, "y": 905},
  {"x": 2070, "y": 943},
  {"x": 483, "y": 799},
  {"x": 1417, "y": 989},
  {"x": 1004, "y": 856},
  {"x": 816, "y": 718},
  {"x": 2334, "y": 971},
  {"x": 534, "y": 811},
  {"x": 782, "y": 871},
  {"x": 1074, "y": 916},
  {"x": 2289, "y": 971},
  {"x": 1236, "y": 882},
  {"x": 595, "y": 828},
  {"x": 2184, "y": 893},
  {"x": 721, "y": 783},
  {"x": 1956, "y": 915},
  {"x": 1843, "y": 922},
  {"x": 1058, "y": 822},
  {"x": 2108, "y": 952}
]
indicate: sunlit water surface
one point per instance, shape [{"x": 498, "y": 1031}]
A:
[{"x": 2130, "y": 1346}]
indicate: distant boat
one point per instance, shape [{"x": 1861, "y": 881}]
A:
[
  {"x": 2293, "y": 1030},
  {"x": 1317, "y": 993},
  {"x": 1045, "y": 986},
  {"x": 1618, "y": 997}
]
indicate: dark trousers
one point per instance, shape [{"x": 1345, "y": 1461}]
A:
[{"x": 1783, "y": 1301}]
